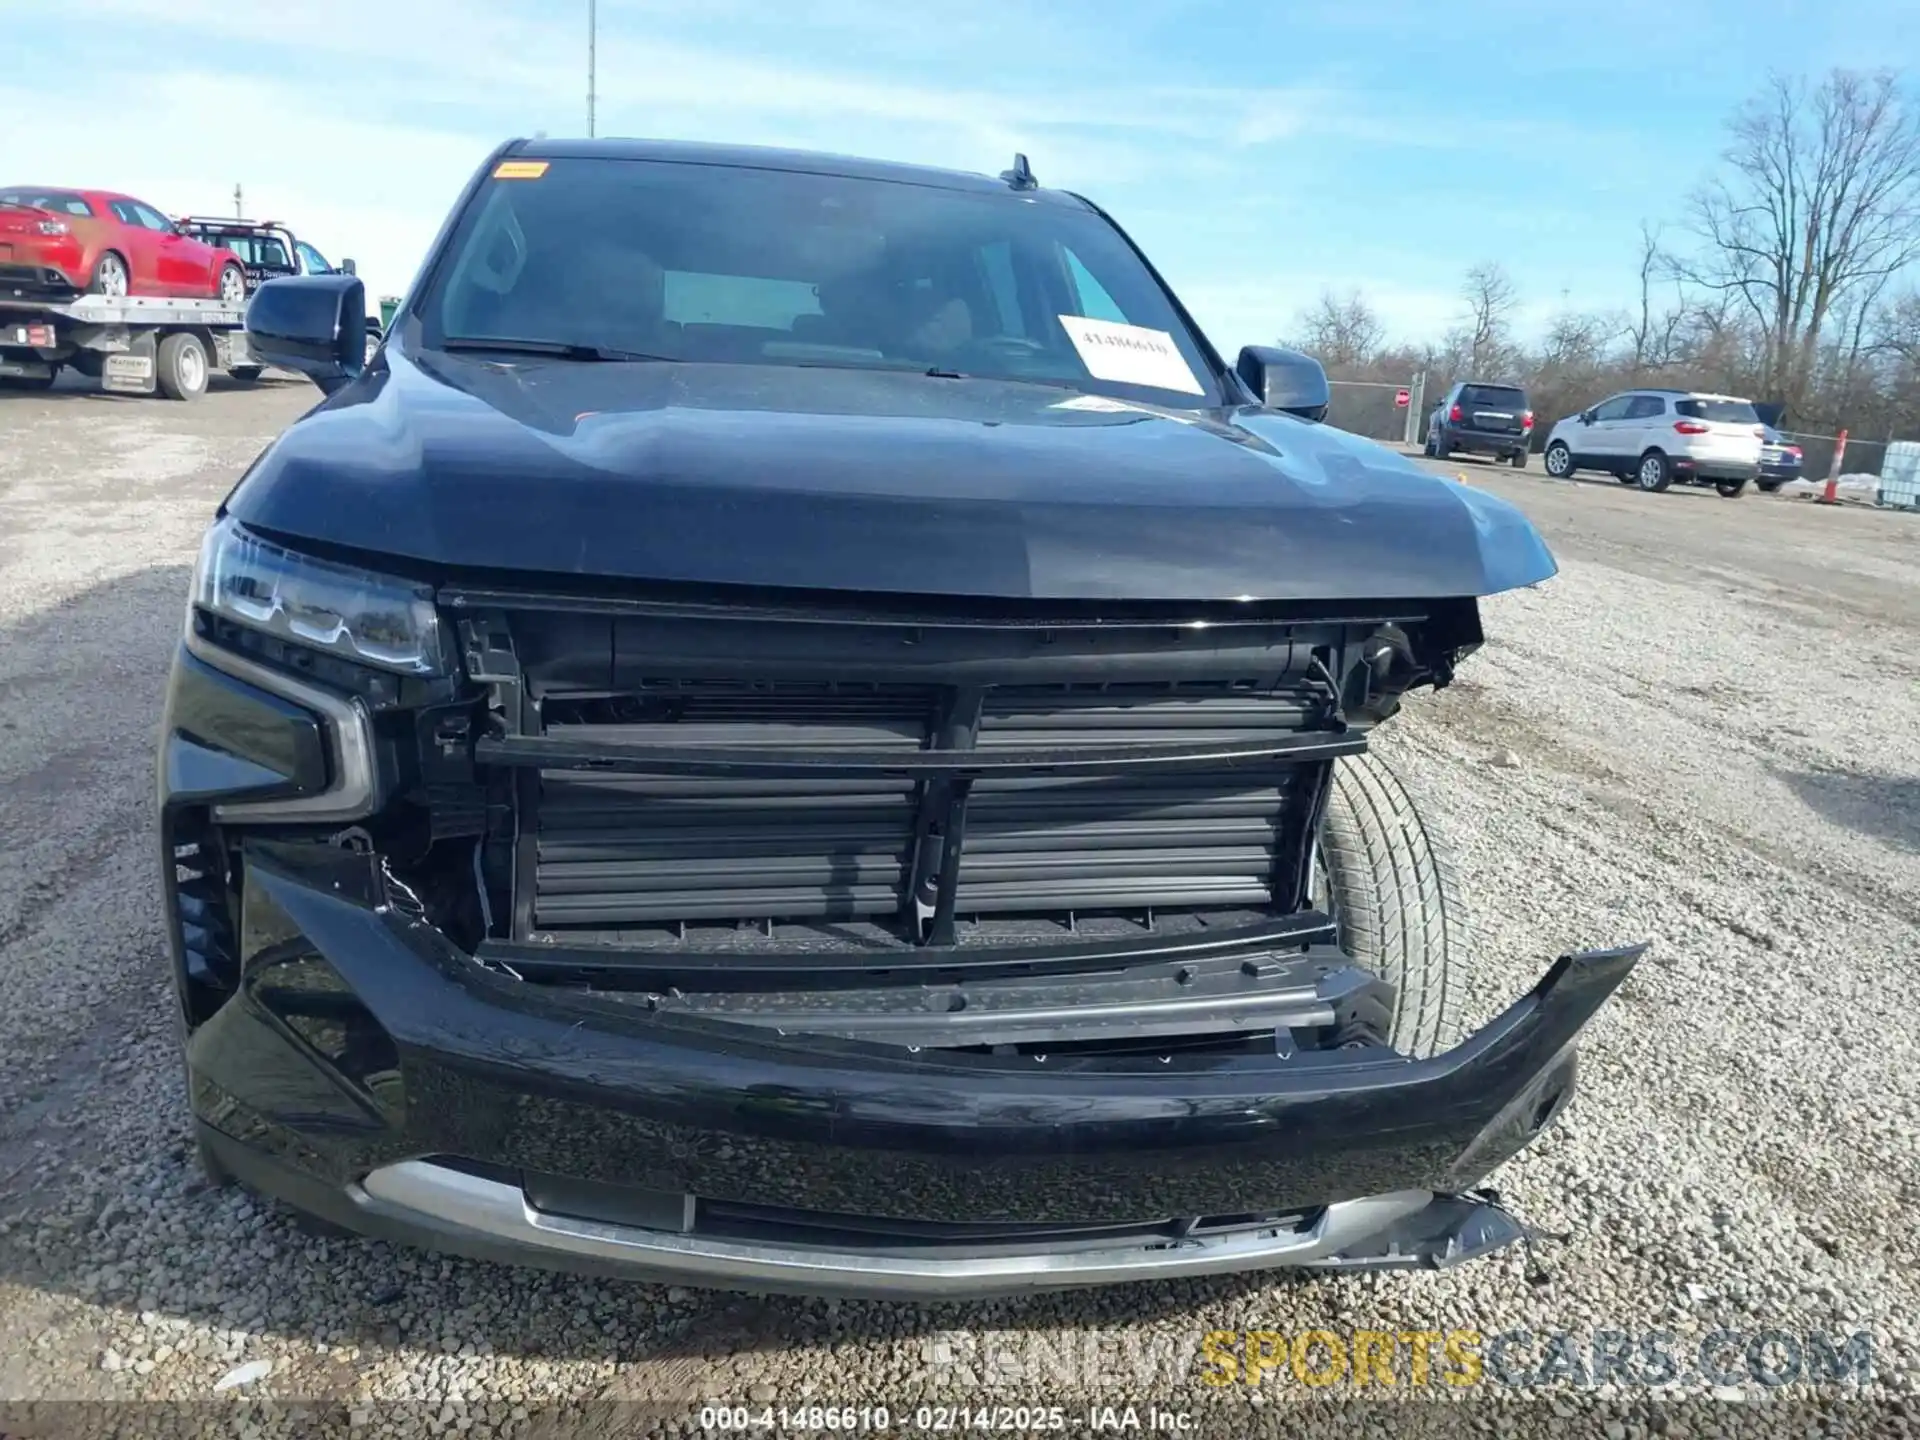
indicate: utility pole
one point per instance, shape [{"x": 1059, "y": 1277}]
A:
[
  {"x": 592, "y": 29},
  {"x": 239, "y": 210}
]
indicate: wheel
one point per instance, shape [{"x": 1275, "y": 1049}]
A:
[
  {"x": 1432, "y": 452},
  {"x": 109, "y": 275},
  {"x": 1441, "y": 450},
  {"x": 1654, "y": 473},
  {"x": 245, "y": 374},
  {"x": 233, "y": 285},
  {"x": 1559, "y": 460},
  {"x": 1389, "y": 884},
  {"x": 1519, "y": 460},
  {"x": 1768, "y": 487},
  {"x": 1730, "y": 489},
  {"x": 181, "y": 367},
  {"x": 373, "y": 346}
]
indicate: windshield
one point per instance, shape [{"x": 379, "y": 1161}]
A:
[
  {"x": 724, "y": 264},
  {"x": 1727, "y": 412},
  {"x": 1494, "y": 395}
]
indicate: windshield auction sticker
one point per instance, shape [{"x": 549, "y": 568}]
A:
[{"x": 1130, "y": 354}]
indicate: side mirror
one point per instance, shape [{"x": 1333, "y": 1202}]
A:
[
  {"x": 313, "y": 324},
  {"x": 1285, "y": 380},
  {"x": 1586, "y": 417},
  {"x": 347, "y": 268}
]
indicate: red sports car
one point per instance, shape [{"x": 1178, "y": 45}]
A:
[{"x": 106, "y": 243}]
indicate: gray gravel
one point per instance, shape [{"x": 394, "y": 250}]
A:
[{"x": 1705, "y": 732}]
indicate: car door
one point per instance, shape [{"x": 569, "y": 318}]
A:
[
  {"x": 182, "y": 266},
  {"x": 138, "y": 244},
  {"x": 1641, "y": 426},
  {"x": 1604, "y": 438}
]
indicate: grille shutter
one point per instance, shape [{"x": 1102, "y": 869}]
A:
[{"x": 626, "y": 850}]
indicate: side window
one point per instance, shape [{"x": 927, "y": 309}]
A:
[
  {"x": 132, "y": 212},
  {"x": 1094, "y": 302},
  {"x": 311, "y": 260},
  {"x": 1646, "y": 407},
  {"x": 996, "y": 264},
  {"x": 1614, "y": 409}
]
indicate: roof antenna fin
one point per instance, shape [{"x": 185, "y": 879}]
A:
[{"x": 1020, "y": 177}]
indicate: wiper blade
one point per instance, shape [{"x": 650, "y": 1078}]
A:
[{"x": 558, "y": 349}]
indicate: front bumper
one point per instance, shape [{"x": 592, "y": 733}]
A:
[{"x": 371, "y": 1072}]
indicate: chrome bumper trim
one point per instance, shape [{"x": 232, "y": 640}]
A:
[{"x": 413, "y": 1190}]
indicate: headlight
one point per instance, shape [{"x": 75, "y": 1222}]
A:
[{"x": 374, "y": 619}]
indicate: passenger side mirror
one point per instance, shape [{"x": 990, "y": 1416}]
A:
[
  {"x": 1586, "y": 417},
  {"x": 347, "y": 268},
  {"x": 313, "y": 324},
  {"x": 1285, "y": 380}
]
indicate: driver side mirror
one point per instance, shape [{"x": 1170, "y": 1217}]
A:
[
  {"x": 1586, "y": 417},
  {"x": 313, "y": 324},
  {"x": 347, "y": 268},
  {"x": 1285, "y": 380}
]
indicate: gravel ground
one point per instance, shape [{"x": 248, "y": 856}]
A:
[{"x": 1705, "y": 732}]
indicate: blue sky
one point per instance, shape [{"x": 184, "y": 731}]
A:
[{"x": 1258, "y": 152}]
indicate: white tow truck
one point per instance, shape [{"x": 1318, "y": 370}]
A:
[{"x": 132, "y": 344}]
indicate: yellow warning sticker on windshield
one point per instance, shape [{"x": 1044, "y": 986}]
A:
[{"x": 519, "y": 169}]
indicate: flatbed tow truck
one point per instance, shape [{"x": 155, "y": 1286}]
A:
[{"x": 132, "y": 344}]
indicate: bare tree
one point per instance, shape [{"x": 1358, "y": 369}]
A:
[
  {"x": 1820, "y": 202},
  {"x": 1341, "y": 330},
  {"x": 1491, "y": 300},
  {"x": 1656, "y": 330},
  {"x": 1897, "y": 328}
]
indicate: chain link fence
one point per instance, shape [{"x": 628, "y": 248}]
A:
[{"x": 1372, "y": 408}]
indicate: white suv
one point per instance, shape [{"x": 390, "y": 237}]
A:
[{"x": 1652, "y": 438}]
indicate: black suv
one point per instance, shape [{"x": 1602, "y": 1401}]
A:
[
  {"x": 1482, "y": 419},
  {"x": 797, "y": 728}
]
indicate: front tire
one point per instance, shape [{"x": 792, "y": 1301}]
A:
[
  {"x": 1390, "y": 885},
  {"x": 1559, "y": 460},
  {"x": 180, "y": 367},
  {"x": 1654, "y": 473}
]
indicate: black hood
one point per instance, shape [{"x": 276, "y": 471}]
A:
[{"x": 866, "y": 481}]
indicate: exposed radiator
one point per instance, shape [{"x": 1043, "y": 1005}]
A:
[
  {"x": 1195, "y": 839},
  {"x": 628, "y": 850}
]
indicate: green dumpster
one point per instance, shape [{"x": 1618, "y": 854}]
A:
[{"x": 388, "y": 304}]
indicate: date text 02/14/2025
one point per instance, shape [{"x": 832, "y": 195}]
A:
[{"x": 941, "y": 1419}]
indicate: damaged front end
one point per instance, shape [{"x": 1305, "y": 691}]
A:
[{"x": 933, "y": 951}]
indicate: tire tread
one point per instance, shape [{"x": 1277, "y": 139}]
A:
[{"x": 1397, "y": 898}]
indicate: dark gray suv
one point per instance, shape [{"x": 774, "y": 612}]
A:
[{"x": 1482, "y": 419}]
